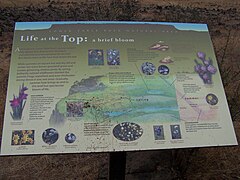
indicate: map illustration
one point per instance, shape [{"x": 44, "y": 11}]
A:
[{"x": 103, "y": 101}]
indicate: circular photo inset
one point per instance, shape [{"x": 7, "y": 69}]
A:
[
  {"x": 148, "y": 68},
  {"x": 50, "y": 136},
  {"x": 70, "y": 137},
  {"x": 212, "y": 99},
  {"x": 164, "y": 70},
  {"x": 127, "y": 131}
]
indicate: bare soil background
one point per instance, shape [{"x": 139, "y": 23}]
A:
[
  {"x": 193, "y": 3},
  {"x": 223, "y": 19}
]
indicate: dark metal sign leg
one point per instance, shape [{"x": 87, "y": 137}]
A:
[{"x": 117, "y": 165}]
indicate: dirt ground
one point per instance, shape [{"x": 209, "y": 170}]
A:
[
  {"x": 223, "y": 19},
  {"x": 193, "y": 3}
]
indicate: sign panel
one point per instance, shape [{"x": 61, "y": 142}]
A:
[{"x": 113, "y": 86}]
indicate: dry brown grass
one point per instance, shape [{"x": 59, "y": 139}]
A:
[
  {"x": 185, "y": 3},
  {"x": 196, "y": 3}
]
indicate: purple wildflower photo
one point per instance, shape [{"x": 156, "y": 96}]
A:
[{"x": 18, "y": 103}]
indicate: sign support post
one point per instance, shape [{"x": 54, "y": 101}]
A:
[{"x": 117, "y": 165}]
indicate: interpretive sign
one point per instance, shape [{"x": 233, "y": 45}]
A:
[{"x": 113, "y": 86}]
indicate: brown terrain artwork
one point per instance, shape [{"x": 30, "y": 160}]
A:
[{"x": 223, "y": 19}]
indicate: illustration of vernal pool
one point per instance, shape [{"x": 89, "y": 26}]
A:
[{"x": 127, "y": 131}]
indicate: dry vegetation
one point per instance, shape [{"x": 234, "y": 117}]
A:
[{"x": 205, "y": 163}]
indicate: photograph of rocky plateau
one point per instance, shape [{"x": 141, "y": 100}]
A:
[{"x": 223, "y": 20}]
